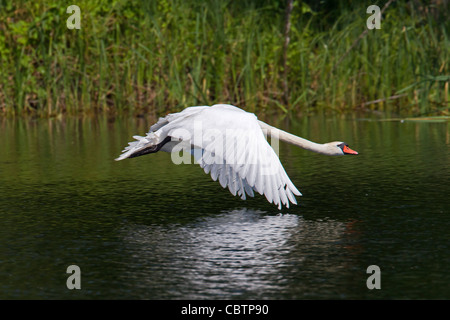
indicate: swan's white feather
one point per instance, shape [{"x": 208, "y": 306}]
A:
[{"x": 233, "y": 150}]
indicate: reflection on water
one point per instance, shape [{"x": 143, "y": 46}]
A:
[
  {"x": 241, "y": 253},
  {"x": 221, "y": 256},
  {"x": 148, "y": 229}
]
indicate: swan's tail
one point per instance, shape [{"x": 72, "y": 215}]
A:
[{"x": 143, "y": 145}]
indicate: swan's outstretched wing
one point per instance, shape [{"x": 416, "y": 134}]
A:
[
  {"x": 239, "y": 156},
  {"x": 228, "y": 144}
]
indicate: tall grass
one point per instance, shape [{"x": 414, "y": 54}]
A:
[{"x": 160, "y": 56}]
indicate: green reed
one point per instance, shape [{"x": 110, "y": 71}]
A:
[{"x": 161, "y": 56}]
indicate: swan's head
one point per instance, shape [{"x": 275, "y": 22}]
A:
[{"x": 338, "y": 148}]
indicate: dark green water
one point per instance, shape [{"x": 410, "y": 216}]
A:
[{"x": 145, "y": 228}]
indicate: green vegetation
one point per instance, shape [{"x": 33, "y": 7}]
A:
[{"x": 163, "y": 55}]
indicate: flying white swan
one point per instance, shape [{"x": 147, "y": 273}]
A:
[{"x": 229, "y": 143}]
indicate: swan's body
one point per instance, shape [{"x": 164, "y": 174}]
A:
[{"x": 229, "y": 143}]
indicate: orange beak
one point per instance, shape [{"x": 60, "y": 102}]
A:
[{"x": 347, "y": 150}]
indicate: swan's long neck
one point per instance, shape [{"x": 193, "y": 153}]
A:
[{"x": 292, "y": 139}]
